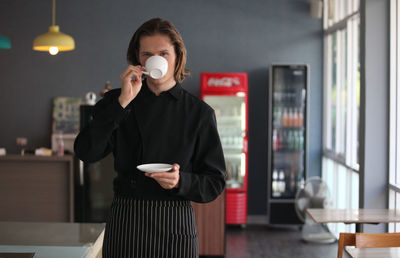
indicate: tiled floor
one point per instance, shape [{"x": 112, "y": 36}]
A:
[{"x": 256, "y": 241}]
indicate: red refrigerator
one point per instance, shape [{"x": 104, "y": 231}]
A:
[{"x": 227, "y": 94}]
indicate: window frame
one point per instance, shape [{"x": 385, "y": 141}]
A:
[{"x": 394, "y": 113}]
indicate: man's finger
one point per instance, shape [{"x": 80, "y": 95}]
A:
[
  {"x": 175, "y": 166},
  {"x": 168, "y": 175}
]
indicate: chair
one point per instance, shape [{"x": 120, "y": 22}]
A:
[
  {"x": 345, "y": 239},
  {"x": 367, "y": 240}
]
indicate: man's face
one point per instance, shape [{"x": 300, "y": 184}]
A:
[{"x": 159, "y": 45}]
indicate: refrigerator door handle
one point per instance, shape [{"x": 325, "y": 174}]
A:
[
  {"x": 245, "y": 145},
  {"x": 81, "y": 172}
]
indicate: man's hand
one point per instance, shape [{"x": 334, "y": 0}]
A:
[
  {"x": 131, "y": 83},
  {"x": 167, "y": 179}
]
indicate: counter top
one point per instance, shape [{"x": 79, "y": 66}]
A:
[
  {"x": 29, "y": 157},
  {"x": 49, "y": 239},
  {"x": 49, "y": 233}
]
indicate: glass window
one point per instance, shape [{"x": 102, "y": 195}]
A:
[
  {"x": 343, "y": 187},
  {"x": 333, "y": 92},
  {"x": 341, "y": 103}
]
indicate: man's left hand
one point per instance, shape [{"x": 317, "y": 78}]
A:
[{"x": 167, "y": 179}]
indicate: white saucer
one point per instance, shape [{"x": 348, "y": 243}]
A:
[{"x": 155, "y": 167}]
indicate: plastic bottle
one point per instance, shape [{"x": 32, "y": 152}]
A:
[
  {"x": 278, "y": 118},
  {"x": 60, "y": 145},
  {"x": 296, "y": 117},
  {"x": 289, "y": 141},
  {"x": 290, "y": 117},
  {"x": 282, "y": 140},
  {"x": 300, "y": 118},
  {"x": 285, "y": 140},
  {"x": 294, "y": 140},
  {"x": 275, "y": 140},
  {"x": 285, "y": 117},
  {"x": 274, "y": 182},
  {"x": 300, "y": 141},
  {"x": 282, "y": 184}
]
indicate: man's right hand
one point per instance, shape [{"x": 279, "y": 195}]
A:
[{"x": 131, "y": 83}]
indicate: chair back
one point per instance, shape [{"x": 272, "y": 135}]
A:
[
  {"x": 367, "y": 240},
  {"x": 345, "y": 239}
]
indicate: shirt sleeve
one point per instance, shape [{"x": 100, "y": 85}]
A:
[
  {"x": 94, "y": 142},
  {"x": 207, "y": 179}
]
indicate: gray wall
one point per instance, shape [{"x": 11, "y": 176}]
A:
[
  {"x": 221, "y": 36},
  {"x": 374, "y": 117}
]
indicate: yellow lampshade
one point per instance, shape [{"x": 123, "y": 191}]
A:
[
  {"x": 54, "y": 41},
  {"x": 54, "y": 38}
]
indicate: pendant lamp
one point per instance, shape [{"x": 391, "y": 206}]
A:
[
  {"x": 5, "y": 43},
  {"x": 54, "y": 40}
]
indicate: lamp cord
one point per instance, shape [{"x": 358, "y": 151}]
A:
[{"x": 53, "y": 21}]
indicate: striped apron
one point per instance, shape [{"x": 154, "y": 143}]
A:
[{"x": 150, "y": 228}]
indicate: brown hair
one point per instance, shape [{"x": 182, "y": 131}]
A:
[{"x": 163, "y": 27}]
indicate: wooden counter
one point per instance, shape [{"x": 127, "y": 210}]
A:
[
  {"x": 210, "y": 223},
  {"x": 36, "y": 188}
]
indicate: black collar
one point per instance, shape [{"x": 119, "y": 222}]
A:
[{"x": 175, "y": 91}]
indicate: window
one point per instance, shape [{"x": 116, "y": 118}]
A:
[
  {"x": 394, "y": 143},
  {"x": 341, "y": 104}
]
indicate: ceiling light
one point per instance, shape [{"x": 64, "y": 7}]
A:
[
  {"x": 53, "y": 41},
  {"x": 5, "y": 43}
]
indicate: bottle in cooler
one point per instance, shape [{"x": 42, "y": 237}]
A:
[{"x": 282, "y": 183}]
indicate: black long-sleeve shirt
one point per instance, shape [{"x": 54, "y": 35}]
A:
[{"x": 174, "y": 127}]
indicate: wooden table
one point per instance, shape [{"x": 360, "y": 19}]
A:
[
  {"x": 390, "y": 252},
  {"x": 357, "y": 216}
]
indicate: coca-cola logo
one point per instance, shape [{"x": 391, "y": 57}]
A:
[{"x": 224, "y": 81}]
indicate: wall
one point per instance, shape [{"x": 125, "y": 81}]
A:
[
  {"x": 374, "y": 115},
  {"x": 221, "y": 36}
]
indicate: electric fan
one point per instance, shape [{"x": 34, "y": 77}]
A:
[{"x": 313, "y": 194}]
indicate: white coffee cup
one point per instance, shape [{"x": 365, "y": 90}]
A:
[{"x": 156, "y": 67}]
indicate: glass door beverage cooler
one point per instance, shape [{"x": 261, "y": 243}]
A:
[
  {"x": 287, "y": 135},
  {"x": 227, "y": 94}
]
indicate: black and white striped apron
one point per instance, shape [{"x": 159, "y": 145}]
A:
[{"x": 150, "y": 228}]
